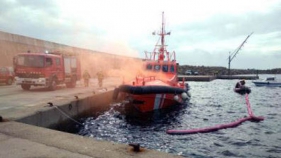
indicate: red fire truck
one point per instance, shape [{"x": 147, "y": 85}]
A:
[
  {"x": 7, "y": 75},
  {"x": 46, "y": 69}
]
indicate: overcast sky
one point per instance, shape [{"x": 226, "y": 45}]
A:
[{"x": 203, "y": 32}]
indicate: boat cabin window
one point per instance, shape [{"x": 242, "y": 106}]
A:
[
  {"x": 270, "y": 78},
  {"x": 165, "y": 68},
  {"x": 149, "y": 67},
  {"x": 157, "y": 67},
  {"x": 172, "y": 68}
]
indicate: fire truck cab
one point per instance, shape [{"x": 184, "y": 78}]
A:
[
  {"x": 7, "y": 75},
  {"x": 46, "y": 69}
]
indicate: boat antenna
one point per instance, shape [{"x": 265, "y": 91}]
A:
[
  {"x": 233, "y": 54},
  {"x": 162, "y": 47}
]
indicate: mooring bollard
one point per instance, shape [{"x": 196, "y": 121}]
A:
[{"x": 136, "y": 147}]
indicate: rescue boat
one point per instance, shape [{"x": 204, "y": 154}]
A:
[{"x": 158, "y": 87}]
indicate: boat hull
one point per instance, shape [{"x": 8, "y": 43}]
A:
[
  {"x": 151, "y": 102},
  {"x": 149, "y": 98},
  {"x": 266, "y": 83},
  {"x": 243, "y": 90}
]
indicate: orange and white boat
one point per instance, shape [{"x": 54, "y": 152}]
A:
[{"x": 158, "y": 87}]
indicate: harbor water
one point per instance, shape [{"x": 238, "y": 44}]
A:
[{"x": 212, "y": 103}]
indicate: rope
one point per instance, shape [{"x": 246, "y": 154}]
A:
[
  {"x": 67, "y": 115},
  {"x": 250, "y": 112}
]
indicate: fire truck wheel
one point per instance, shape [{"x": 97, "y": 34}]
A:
[
  {"x": 52, "y": 85},
  {"x": 25, "y": 86},
  {"x": 9, "y": 81}
]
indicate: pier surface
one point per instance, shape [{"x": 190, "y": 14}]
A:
[{"x": 24, "y": 140}]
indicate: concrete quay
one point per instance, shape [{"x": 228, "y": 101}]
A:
[
  {"x": 199, "y": 78},
  {"x": 25, "y": 133},
  {"x": 18, "y": 140}
]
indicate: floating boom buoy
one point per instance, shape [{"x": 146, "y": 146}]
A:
[{"x": 251, "y": 117}]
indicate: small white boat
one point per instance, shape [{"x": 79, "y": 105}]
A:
[{"x": 269, "y": 81}]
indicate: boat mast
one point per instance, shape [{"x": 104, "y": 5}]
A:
[{"x": 162, "y": 34}]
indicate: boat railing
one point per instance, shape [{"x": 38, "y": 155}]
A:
[{"x": 140, "y": 79}]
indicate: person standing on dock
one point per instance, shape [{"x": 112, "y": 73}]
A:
[
  {"x": 86, "y": 77},
  {"x": 100, "y": 76}
]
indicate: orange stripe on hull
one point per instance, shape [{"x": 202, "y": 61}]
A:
[{"x": 152, "y": 102}]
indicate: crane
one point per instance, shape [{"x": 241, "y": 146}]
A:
[{"x": 233, "y": 54}]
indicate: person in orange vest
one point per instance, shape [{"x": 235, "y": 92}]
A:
[{"x": 86, "y": 77}]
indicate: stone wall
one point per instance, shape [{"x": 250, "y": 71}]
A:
[{"x": 12, "y": 44}]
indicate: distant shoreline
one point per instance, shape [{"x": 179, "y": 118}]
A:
[{"x": 216, "y": 70}]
